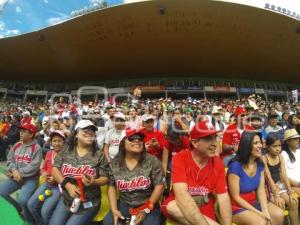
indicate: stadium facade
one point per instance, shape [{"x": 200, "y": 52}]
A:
[{"x": 164, "y": 46}]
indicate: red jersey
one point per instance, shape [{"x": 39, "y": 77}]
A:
[
  {"x": 160, "y": 138},
  {"x": 175, "y": 148},
  {"x": 207, "y": 180},
  {"x": 232, "y": 136}
]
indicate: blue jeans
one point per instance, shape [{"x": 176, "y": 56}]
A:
[
  {"x": 9, "y": 186},
  {"x": 153, "y": 218},
  {"x": 42, "y": 211},
  {"x": 62, "y": 216}
]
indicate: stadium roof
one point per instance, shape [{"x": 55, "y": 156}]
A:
[{"x": 159, "y": 38}]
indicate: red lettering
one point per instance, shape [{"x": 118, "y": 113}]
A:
[{"x": 137, "y": 183}]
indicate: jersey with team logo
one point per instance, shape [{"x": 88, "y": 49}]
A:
[
  {"x": 136, "y": 185},
  {"x": 71, "y": 165},
  {"x": 26, "y": 158},
  {"x": 200, "y": 181}
]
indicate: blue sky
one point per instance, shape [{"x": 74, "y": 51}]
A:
[{"x": 22, "y": 16}]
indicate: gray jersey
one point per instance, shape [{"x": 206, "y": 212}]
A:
[
  {"x": 26, "y": 158},
  {"x": 71, "y": 165}
]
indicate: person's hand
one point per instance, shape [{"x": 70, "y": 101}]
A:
[
  {"x": 235, "y": 148},
  {"x": 88, "y": 180},
  {"x": 50, "y": 179},
  {"x": 9, "y": 174},
  {"x": 267, "y": 217},
  {"x": 154, "y": 143},
  {"x": 278, "y": 201},
  {"x": 117, "y": 215},
  {"x": 140, "y": 217},
  {"x": 293, "y": 197},
  {"x": 73, "y": 190},
  {"x": 16, "y": 176}
]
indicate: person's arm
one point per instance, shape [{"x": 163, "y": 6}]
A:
[
  {"x": 165, "y": 156},
  {"x": 225, "y": 208},
  {"x": 262, "y": 197},
  {"x": 34, "y": 166},
  {"x": 228, "y": 148},
  {"x": 278, "y": 201},
  {"x": 11, "y": 164},
  {"x": 187, "y": 205},
  {"x": 106, "y": 152},
  {"x": 72, "y": 189}
]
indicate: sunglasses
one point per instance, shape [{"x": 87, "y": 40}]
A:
[
  {"x": 88, "y": 130},
  {"x": 135, "y": 138}
]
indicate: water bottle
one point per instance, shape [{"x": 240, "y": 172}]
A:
[{"x": 75, "y": 205}]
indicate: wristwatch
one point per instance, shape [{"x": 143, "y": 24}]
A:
[{"x": 147, "y": 211}]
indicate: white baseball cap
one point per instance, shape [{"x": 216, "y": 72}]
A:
[
  {"x": 147, "y": 117},
  {"x": 119, "y": 115},
  {"x": 57, "y": 132},
  {"x": 84, "y": 124}
]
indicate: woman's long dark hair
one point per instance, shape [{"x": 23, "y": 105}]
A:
[
  {"x": 122, "y": 153},
  {"x": 245, "y": 147},
  {"x": 291, "y": 155},
  {"x": 290, "y": 121},
  {"x": 72, "y": 143}
]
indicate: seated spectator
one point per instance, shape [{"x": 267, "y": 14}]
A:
[
  {"x": 80, "y": 169},
  {"x": 281, "y": 193},
  {"x": 23, "y": 164},
  {"x": 246, "y": 185},
  {"x": 291, "y": 157},
  {"x": 196, "y": 175},
  {"x": 114, "y": 136},
  {"x": 154, "y": 140},
  {"x": 139, "y": 179},
  {"x": 42, "y": 209}
]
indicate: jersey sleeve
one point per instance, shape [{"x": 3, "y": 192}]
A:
[
  {"x": 178, "y": 169},
  {"x": 235, "y": 168}
]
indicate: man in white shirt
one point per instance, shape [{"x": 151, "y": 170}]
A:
[{"x": 114, "y": 136}]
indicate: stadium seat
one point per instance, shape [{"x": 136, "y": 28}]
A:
[
  {"x": 104, "y": 205},
  {"x": 171, "y": 222}
]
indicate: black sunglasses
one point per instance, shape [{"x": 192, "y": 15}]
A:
[{"x": 135, "y": 138}]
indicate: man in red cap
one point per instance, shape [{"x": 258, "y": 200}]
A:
[
  {"x": 23, "y": 165},
  {"x": 197, "y": 174},
  {"x": 232, "y": 135}
]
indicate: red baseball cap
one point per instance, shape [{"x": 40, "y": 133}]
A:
[
  {"x": 28, "y": 126},
  {"x": 202, "y": 129},
  {"x": 239, "y": 111},
  {"x": 130, "y": 132}
]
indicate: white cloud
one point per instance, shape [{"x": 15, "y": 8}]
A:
[
  {"x": 12, "y": 32},
  {"x": 2, "y": 26},
  {"x": 55, "y": 20},
  {"x": 18, "y": 9},
  {"x": 46, "y": 1},
  {"x": 131, "y": 1}
]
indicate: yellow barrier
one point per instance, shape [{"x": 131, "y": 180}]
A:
[
  {"x": 171, "y": 222},
  {"x": 105, "y": 207}
]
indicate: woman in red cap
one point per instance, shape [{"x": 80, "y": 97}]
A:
[{"x": 138, "y": 176}]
